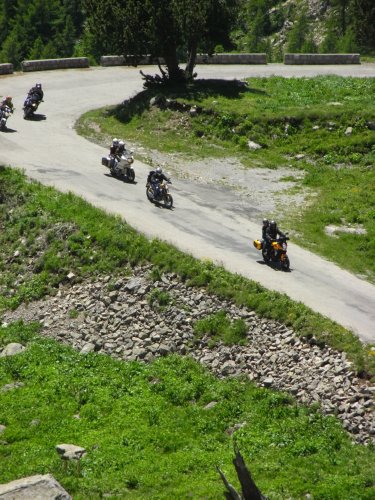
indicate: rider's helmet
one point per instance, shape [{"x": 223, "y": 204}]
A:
[
  {"x": 272, "y": 224},
  {"x": 38, "y": 85},
  {"x": 114, "y": 141},
  {"x": 121, "y": 143},
  {"x": 265, "y": 222},
  {"x": 159, "y": 170}
]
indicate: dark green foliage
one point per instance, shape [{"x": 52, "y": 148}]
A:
[
  {"x": 348, "y": 26},
  {"x": 39, "y": 29},
  {"x": 167, "y": 29},
  {"x": 298, "y": 35}
]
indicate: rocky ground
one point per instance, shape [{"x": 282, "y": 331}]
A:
[
  {"x": 119, "y": 319},
  {"x": 269, "y": 188}
]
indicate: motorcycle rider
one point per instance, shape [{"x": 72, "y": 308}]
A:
[
  {"x": 113, "y": 148},
  {"x": 36, "y": 93},
  {"x": 120, "y": 148},
  {"x": 7, "y": 101},
  {"x": 265, "y": 225},
  {"x": 155, "y": 178},
  {"x": 116, "y": 150},
  {"x": 272, "y": 232}
]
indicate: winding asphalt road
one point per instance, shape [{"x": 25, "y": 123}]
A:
[{"x": 206, "y": 222}]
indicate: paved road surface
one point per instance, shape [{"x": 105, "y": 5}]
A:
[{"x": 206, "y": 221}]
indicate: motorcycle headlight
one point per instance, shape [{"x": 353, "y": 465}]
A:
[{"x": 284, "y": 246}]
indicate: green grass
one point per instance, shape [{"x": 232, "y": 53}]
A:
[
  {"x": 220, "y": 328},
  {"x": 287, "y": 117},
  {"x": 62, "y": 233},
  {"x": 148, "y": 435},
  {"x": 159, "y": 298}
]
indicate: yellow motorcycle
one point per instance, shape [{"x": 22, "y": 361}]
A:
[{"x": 275, "y": 253}]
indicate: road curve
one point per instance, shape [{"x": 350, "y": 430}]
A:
[{"x": 206, "y": 222}]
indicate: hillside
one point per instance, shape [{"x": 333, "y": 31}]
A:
[{"x": 323, "y": 26}]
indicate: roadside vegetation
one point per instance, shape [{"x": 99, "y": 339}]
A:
[
  {"x": 148, "y": 433},
  {"x": 220, "y": 328},
  {"x": 323, "y": 126},
  {"x": 46, "y": 235}
]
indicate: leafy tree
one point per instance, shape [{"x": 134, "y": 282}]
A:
[{"x": 160, "y": 28}]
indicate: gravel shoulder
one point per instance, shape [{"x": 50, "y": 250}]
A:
[{"x": 259, "y": 191}]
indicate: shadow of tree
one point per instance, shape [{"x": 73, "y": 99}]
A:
[{"x": 195, "y": 91}]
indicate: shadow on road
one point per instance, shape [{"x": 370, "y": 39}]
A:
[
  {"x": 274, "y": 265},
  {"x": 121, "y": 180},
  {"x": 9, "y": 130},
  {"x": 36, "y": 117}
]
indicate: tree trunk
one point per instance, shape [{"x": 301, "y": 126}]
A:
[
  {"x": 249, "y": 489},
  {"x": 191, "y": 60},
  {"x": 174, "y": 71}
]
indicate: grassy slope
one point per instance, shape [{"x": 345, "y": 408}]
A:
[
  {"x": 144, "y": 426},
  {"x": 287, "y": 117},
  {"x": 63, "y": 233},
  {"x": 147, "y": 434}
]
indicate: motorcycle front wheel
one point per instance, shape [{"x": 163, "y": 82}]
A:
[
  {"x": 131, "y": 175},
  {"x": 27, "y": 113},
  {"x": 285, "y": 263},
  {"x": 149, "y": 194},
  {"x": 168, "y": 201},
  {"x": 265, "y": 256}
]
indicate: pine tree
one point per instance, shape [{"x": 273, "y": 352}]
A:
[
  {"x": 363, "y": 15},
  {"x": 11, "y": 51},
  {"x": 298, "y": 34},
  {"x": 37, "y": 49}
]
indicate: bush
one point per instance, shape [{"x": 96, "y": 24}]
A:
[{"x": 220, "y": 328}]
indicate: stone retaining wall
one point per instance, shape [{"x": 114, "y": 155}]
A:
[
  {"x": 322, "y": 59},
  {"x": 201, "y": 59},
  {"x": 46, "y": 64},
  {"x": 128, "y": 60},
  {"x": 232, "y": 59},
  {"x": 6, "y": 69}
]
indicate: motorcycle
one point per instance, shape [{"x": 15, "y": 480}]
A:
[
  {"x": 161, "y": 196},
  {"x": 5, "y": 113},
  {"x": 29, "y": 107},
  {"x": 121, "y": 168},
  {"x": 276, "y": 252}
]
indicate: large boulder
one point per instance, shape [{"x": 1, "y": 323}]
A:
[{"x": 34, "y": 487}]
